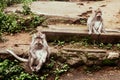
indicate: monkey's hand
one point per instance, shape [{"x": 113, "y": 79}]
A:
[
  {"x": 43, "y": 36},
  {"x": 33, "y": 55}
]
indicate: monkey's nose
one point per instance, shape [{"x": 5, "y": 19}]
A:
[
  {"x": 39, "y": 44},
  {"x": 99, "y": 15}
]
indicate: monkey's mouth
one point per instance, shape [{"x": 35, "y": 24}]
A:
[
  {"x": 39, "y": 46},
  {"x": 98, "y": 17}
]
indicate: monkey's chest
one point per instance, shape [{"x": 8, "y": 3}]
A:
[
  {"x": 41, "y": 55},
  {"x": 97, "y": 24}
]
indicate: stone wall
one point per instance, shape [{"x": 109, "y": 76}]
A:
[{"x": 88, "y": 58}]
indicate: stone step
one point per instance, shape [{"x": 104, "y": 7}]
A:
[{"x": 73, "y": 35}]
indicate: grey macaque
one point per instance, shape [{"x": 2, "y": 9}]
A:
[
  {"x": 95, "y": 22},
  {"x": 39, "y": 52}
]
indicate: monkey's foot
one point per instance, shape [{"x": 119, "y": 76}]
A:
[
  {"x": 90, "y": 33},
  {"x": 32, "y": 69},
  {"x": 37, "y": 68},
  {"x": 98, "y": 33}
]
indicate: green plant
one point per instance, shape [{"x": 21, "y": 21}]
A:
[
  {"x": 37, "y": 20},
  {"x": 101, "y": 45},
  {"x": 8, "y": 23},
  {"x": 12, "y": 23},
  {"x": 44, "y": 77},
  {"x": 26, "y": 76},
  {"x": 86, "y": 41},
  {"x": 51, "y": 64},
  {"x": 83, "y": 21},
  {"x": 109, "y": 46},
  {"x": 59, "y": 43},
  {"x": 5, "y": 3},
  {"x": 26, "y": 7},
  {"x": 57, "y": 77},
  {"x": 59, "y": 71},
  {"x": 118, "y": 45},
  {"x": 8, "y": 68},
  {"x": 11, "y": 70},
  {"x": 72, "y": 42},
  {"x": 26, "y": 10},
  {"x": 108, "y": 62}
]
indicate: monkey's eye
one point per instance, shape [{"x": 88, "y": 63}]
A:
[{"x": 38, "y": 38}]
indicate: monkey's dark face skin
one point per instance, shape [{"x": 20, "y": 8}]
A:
[
  {"x": 98, "y": 16},
  {"x": 38, "y": 46},
  {"x": 38, "y": 43}
]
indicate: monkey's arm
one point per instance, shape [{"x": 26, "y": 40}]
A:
[
  {"x": 103, "y": 28},
  {"x": 46, "y": 45},
  {"x": 48, "y": 51},
  {"x": 32, "y": 54},
  {"x": 90, "y": 24}
]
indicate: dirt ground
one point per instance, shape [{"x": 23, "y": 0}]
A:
[
  {"x": 111, "y": 15},
  {"x": 107, "y": 73}
]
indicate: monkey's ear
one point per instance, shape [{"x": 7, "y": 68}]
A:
[
  {"x": 34, "y": 35},
  {"x": 43, "y": 36},
  {"x": 93, "y": 12}
]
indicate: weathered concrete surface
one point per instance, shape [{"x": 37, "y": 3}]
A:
[
  {"x": 54, "y": 8},
  {"x": 110, "y": 9},
  {"x": 69, "y": 35}
]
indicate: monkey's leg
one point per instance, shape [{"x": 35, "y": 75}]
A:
[
  {"x": 89, "y": 24},
  {"x": 95, "y": 30},
  {"x": 90, "y": 29},
  {"x": 44, "y": 56},
  {"x": 100, "y": 28},
  {"x": 103, "y": 30},
  {"x": 48, "y": 53},
  {"x": 38, "y": 67},
  {"x": 31, "y": 60}
]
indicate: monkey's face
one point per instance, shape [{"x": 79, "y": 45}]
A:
[
  {"x": 98, "y": 12},
  {"x": 38, "y": 40},
  {"x": 98, "y": 15},
  {"x": 38, "y": 43}
]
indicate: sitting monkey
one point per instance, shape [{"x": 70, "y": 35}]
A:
[
  {"x": 95, "y": 23},
  {"x": 39, "y": 52}
]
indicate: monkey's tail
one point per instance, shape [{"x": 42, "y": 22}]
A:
[{"x": 17, "y": 57}]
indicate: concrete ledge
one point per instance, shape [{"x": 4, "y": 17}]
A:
[{"x": 76, "y": 36}]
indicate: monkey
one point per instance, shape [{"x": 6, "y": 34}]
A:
[
  {"x": 38, "y": 52},
  {"x": 95, "y": 22}
]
